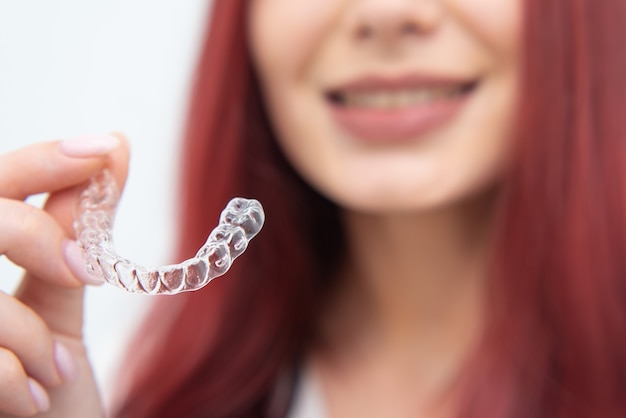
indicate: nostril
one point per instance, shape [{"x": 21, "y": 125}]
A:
[
  {"x": 364, "y": 32},
  {"x": 394, "y": 21},
  {"x": 409, "y": 28}
]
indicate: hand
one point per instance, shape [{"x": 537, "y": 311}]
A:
[{"x": 43, "y": 363}]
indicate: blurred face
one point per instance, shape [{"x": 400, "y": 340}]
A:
[{"x": 390, "y": 105}]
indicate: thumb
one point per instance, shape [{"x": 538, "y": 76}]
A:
[{"x": 61, "y": 307}]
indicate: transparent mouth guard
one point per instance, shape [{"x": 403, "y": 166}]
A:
[{"x": 239, "y": 222}]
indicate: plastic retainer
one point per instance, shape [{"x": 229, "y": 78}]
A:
[{"x": 239, "y": 222}]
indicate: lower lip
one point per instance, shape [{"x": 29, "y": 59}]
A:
[{"x": 399, "y": 124}]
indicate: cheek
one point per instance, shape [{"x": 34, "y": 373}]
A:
[
  {"x": 285, "y": 37},
  {"x": 285, "y": 34},
  {"x": 496, "y": 22}
]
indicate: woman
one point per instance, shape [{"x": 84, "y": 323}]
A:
[{"x": 444, "y": 233}]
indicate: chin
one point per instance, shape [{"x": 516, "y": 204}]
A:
[
  {"x": 387, "y": 200},
  {"x": 396, "y": 197}
]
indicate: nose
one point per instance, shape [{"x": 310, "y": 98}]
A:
[{"x": 393, "y": 20}]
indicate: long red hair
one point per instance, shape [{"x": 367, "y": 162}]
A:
[{"x": 555, "y": 345}]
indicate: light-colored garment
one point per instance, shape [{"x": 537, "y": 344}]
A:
[{"x": 308, "y": 401}]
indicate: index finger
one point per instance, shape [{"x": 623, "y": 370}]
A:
[
  {"x": 53, "y": 165},
  {"x": 62, "y": 204}
]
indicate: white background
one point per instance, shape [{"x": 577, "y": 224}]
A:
[{"x": 75, "y": 67}]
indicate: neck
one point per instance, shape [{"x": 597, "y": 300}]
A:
[
  {"x": 415, "y": 285},
  {"x": 420, "y": 264}
]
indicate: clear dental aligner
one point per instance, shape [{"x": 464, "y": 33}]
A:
[{"x": 239, "y": 222}]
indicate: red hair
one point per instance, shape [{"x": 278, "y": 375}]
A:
[{"x": 555, "y": 345}]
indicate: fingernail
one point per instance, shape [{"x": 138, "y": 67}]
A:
[
  {"x": 39, "y": 395},
  {"x": 74, "y": 259},
  {"x": 65, "y": 362},
  {"x": 89, "y": 145}
]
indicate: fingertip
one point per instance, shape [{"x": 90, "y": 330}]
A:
[
  {"x": 39, "y": 395},
  {"x": 65, "y": 363},
  {"x": 120, "y": 135},
  {"x": 119, "y": 159},
  {"x": 89, "y": 145},
  {"x": 73, "y": 256}
]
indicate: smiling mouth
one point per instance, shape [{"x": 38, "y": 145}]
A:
[
  {"x": 397, "y": 110},
  {"x": 397, "y": 98}
]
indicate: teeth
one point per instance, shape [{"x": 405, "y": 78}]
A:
[{"x": 387, "y": 99}]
